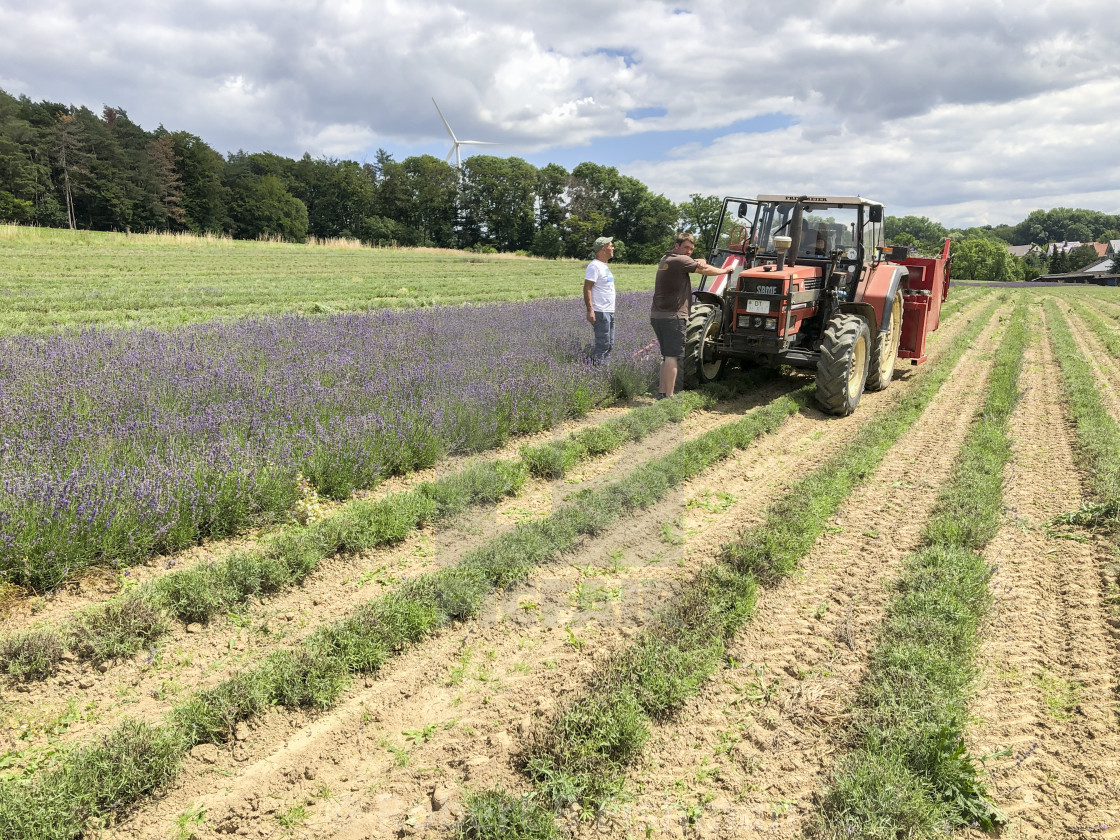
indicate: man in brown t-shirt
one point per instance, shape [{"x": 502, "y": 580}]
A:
[{"x": 672, "y": 300}]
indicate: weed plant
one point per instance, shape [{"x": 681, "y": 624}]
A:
[
  {"x": 497, "y": 813},
  {"x": 583, "y": 755},
  {"x": 31, "y": 654}
]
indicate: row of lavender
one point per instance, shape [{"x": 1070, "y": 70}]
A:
[{"x": 115, "y": 445}]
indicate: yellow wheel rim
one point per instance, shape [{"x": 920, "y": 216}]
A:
[{"x": 857, "y": 372}]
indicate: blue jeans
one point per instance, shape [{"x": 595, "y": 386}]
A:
[{"x": 604, "y": 336}]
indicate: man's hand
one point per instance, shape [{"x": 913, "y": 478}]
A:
[{"x": 591, "y": 316}]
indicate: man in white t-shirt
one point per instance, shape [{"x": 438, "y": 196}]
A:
[{"x": 598, "y": 296}]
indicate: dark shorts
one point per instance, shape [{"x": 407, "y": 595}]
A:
[{"x": 670, "y": 335}]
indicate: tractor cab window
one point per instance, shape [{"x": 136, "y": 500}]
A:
[
  {"x": 737, "y": 227},
  {"x": 824, "y": 229}
]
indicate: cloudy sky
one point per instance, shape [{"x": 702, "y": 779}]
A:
[{"x": 969, "y": 112}]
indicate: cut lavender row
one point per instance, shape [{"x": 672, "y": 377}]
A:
[{"x": 118, "y": 444}]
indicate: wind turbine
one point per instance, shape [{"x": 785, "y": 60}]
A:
[{"x": 456, "y": 141}]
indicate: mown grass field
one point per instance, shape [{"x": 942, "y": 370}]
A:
[
  {"x": 720, "y": 615},
  {"x": 52, "y": 278}
]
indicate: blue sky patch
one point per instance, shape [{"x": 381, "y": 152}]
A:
[
  {"x": 627, "y": 56},
  {"x": 646, "y": 113},
  {"x": 652, "y": 145}
]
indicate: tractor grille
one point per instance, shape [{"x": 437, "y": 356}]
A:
[{"x": 812, "y": 283}]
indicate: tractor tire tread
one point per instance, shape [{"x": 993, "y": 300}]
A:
[
  {"x": 691, "y": 374},
  {"x": 836, "y": 350}
]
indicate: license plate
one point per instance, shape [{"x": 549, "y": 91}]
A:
[{"x": 758, "y": 307}]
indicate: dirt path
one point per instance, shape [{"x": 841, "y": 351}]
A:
[
  {"x": 751, "y": 752},
  {"x": 1047, "y": 705},
  {"x": 446, "y": 714}
]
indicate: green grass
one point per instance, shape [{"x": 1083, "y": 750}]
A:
[
  {"x": 56, "y": 278},
  {"x": 908, "y": 773},
  {"x": 583, "y": 755}
]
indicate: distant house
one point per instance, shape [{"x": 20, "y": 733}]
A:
[
  {"x": 1064, "y": 247},
  {"x": 1022, "y": 250},
  {"x": 1098, "y": 273},
  {"x": 1102, "y": 249}
]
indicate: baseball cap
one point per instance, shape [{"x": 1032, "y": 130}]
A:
[{"x": 601, "y": 243}]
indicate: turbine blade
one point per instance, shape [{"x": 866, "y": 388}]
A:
[
  {"x": 442, "y": 117},
  {"x": 477, "y": 143},
  {"x": 450, "y": 153}
]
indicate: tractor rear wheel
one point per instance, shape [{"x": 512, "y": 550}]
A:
[
  {"x": 885, "y": 350},
  {"x": 842, "y": 367},
  {"x": 705, "y": 324}
]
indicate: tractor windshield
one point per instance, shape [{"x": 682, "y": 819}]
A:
[{"x": 824, "y": 228}]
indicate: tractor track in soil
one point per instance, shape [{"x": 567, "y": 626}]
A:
[
  {"x": 1047, "y": 702},
  {"x": 464, "y": 694},
  {"x": 750, "y": 753},
  {"x": 1105, "y": 366},
  {"x": 199, "y": 656}
]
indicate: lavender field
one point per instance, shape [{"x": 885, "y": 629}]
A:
[{"x": 115, "y": 444}]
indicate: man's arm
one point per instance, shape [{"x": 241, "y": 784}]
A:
[
  {"x": 711, "y": 271},
  {"x": 588, "y": 285}
]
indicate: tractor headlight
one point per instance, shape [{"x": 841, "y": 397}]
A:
[
  {"x": 771, "y": 323},
  {"x": 744, "y": 322}
]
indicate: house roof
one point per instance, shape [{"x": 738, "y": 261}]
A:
[
  {"x": 1101, "y": 266},
  {"x": 1114, "y": 246},
  {"x": 1021, "y": 250},
  {"x": 1101, "y": 248}
]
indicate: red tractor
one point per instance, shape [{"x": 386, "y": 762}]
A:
[{"x": 813, "y": 287}]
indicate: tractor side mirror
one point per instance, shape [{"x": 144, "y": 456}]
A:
[
  {"x": 744, "y": 208},
  {"x": 875, "y": 213}
]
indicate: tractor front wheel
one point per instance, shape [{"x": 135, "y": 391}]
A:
[
  {"x": 704, "y": 326},
  {"x": 842, "y": 367},
  {"x": 885, "y": 352}
]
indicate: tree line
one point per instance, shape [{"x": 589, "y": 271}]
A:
[
  {"x": 65, "y": 166},
  {"x": 980, "y": 253}
]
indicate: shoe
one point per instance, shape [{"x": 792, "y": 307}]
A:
[{"x": 660, "y": 396}]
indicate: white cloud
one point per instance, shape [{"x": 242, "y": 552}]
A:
[{"x": 956, "y": 108}]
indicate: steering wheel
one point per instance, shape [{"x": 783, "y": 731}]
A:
[{"x": 740, "y": 237}]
